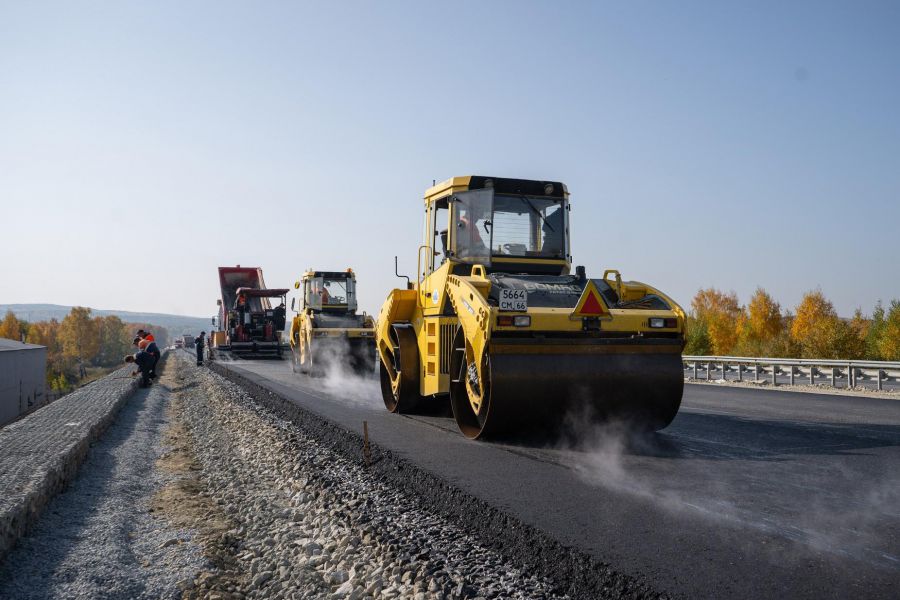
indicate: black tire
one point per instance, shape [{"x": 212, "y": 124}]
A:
[
  {"x": 473, "y": 425},
  {"x": 403, "y": 374}
]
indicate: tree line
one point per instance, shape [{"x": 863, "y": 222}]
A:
[
  {"x": 719, "y": 325},
  {"x": 79, "y": 342}
]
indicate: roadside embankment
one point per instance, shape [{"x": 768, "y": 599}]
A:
[
  {"x": 307, "y": 522},
  {"x": 41, "y": 453},
  {"x": 104, "y": 537}
]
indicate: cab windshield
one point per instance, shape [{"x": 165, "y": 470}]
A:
[
  {"x": 326, "y": 291},
  {"x": 509, "y": 226},
  {"x": 334, "y": 291}
]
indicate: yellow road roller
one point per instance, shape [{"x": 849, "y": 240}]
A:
[
  {"x": 326, "y": 329},
  {"x": 496, "y": 322}
]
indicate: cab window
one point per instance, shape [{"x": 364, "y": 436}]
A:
[{"x": 472, "y": 225}]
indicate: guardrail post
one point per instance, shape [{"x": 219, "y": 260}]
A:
[
  {"x": 695, "y": 371},
  {"x": 793, "y": 368},
  {"x": 881, "y": 375},
  {"x": 724, "y": 378},
  {"x": 707, "y": 371},
  {"x": 774, "y": 375},
  {"x": 740, "y": 372},
  {"x": 849, "y": 376},
  {"x": 812, "y": 375},
  {"x": 833, "y": 377},
  {"x": 756, "y": 369}
]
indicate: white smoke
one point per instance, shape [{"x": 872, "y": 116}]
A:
[
  {"x": 684, "y": 475},
  {"x": 335, "y": 376}
]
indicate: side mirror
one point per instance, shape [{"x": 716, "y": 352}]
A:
[
  {"x": 296, "y": 285},
  {"x": 219, "y": 302},
  {"x": 213, "y": 320},
  {"x": 293, "y": 302}
]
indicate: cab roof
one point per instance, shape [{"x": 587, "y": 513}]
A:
[
  {"x": 502, "y": 185},
  {"x": 348, "y": 274}
]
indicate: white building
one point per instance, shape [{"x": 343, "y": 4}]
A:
[{"x": 22, "y": 378}]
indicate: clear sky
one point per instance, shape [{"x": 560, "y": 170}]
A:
[{"x": 705, "y": 144}]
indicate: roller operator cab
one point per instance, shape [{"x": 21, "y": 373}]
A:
[
  {"x": 326, "y": 330},
  {"x": 496, "y": 322}
]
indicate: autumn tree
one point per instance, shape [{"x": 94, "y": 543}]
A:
[
  {"x": 875, "y": 332},
  {"x": 78, "y": 336},
  {"x": 820, "y": 333},
  {"x": 764, "y": 316},
  {"x": 813, "y": 325},
  {"x": 760, "y": 326},
  {"x": 889, "y": 339},
  {"x": 10, "y": 327},
  {"x": 851, "y": 342},
  {"x": 718, "y": 312},
  {"x": 696, "y": 337},
  {"x": 46, "y": 333},
  {"x": 114, "y": 340},
  {"x": 784, "y": 346}
]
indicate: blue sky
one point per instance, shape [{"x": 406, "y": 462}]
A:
[{"x": 705, "y": 144}]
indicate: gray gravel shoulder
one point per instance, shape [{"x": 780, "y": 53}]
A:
[
  {"x": 310, "y": 524},
  {"x": 99, "y": 539}
]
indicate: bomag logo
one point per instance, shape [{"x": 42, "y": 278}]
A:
[{"x": 564, "y": 289}]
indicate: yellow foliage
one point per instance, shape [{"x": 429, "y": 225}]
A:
[
  {"x": 889, "y": 340},
  {"x": 45, "y": 333},
  {"x": 719, "y": 312},
  {"x": 115, "y": 340},
  {"x": 78, "y": 335},
  {"x": 813, "y": 318},
  {"x": 10, "y": 328},
  {"x": 822, "y": 334},
  {"x": 718, "y": 324},
  {"x": 761, "y": 327},
  {"x": 764, "y": 320}
]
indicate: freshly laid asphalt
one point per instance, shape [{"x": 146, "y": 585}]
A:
[{"x": 748, "y": 494}]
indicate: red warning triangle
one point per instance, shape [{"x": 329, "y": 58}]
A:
[{"x": 591, "y": 303}]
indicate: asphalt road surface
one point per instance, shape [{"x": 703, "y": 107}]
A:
[{"x": 749, "y": 493}]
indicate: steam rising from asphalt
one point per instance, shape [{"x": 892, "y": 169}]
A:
[
  {"x": 760, "y": 492},
  {"x": 335, "y": 376}
]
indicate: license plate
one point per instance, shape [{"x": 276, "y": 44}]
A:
[{"x": 514, "y": 300}]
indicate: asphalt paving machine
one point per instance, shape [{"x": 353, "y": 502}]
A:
[
  {"x": 496, "y": 322},
  {"x": 326, "y": 328},
  {"x": 249, "y": 326}
]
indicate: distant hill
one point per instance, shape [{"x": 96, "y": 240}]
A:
[{"x": 176, "y": 324}]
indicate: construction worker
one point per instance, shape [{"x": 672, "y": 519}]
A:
[
  {"x": 469, "y": 243},
  {"x": 198, "y": 344},
  {"x": 153, "y": 350},
  {"x": 145, "y": 335},
  {"x": 144, "y": 361}
]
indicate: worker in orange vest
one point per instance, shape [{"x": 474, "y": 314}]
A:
[{"x": 145, "y": 335}]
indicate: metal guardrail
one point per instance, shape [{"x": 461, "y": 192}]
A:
[{"x": 851, "y": 371}]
